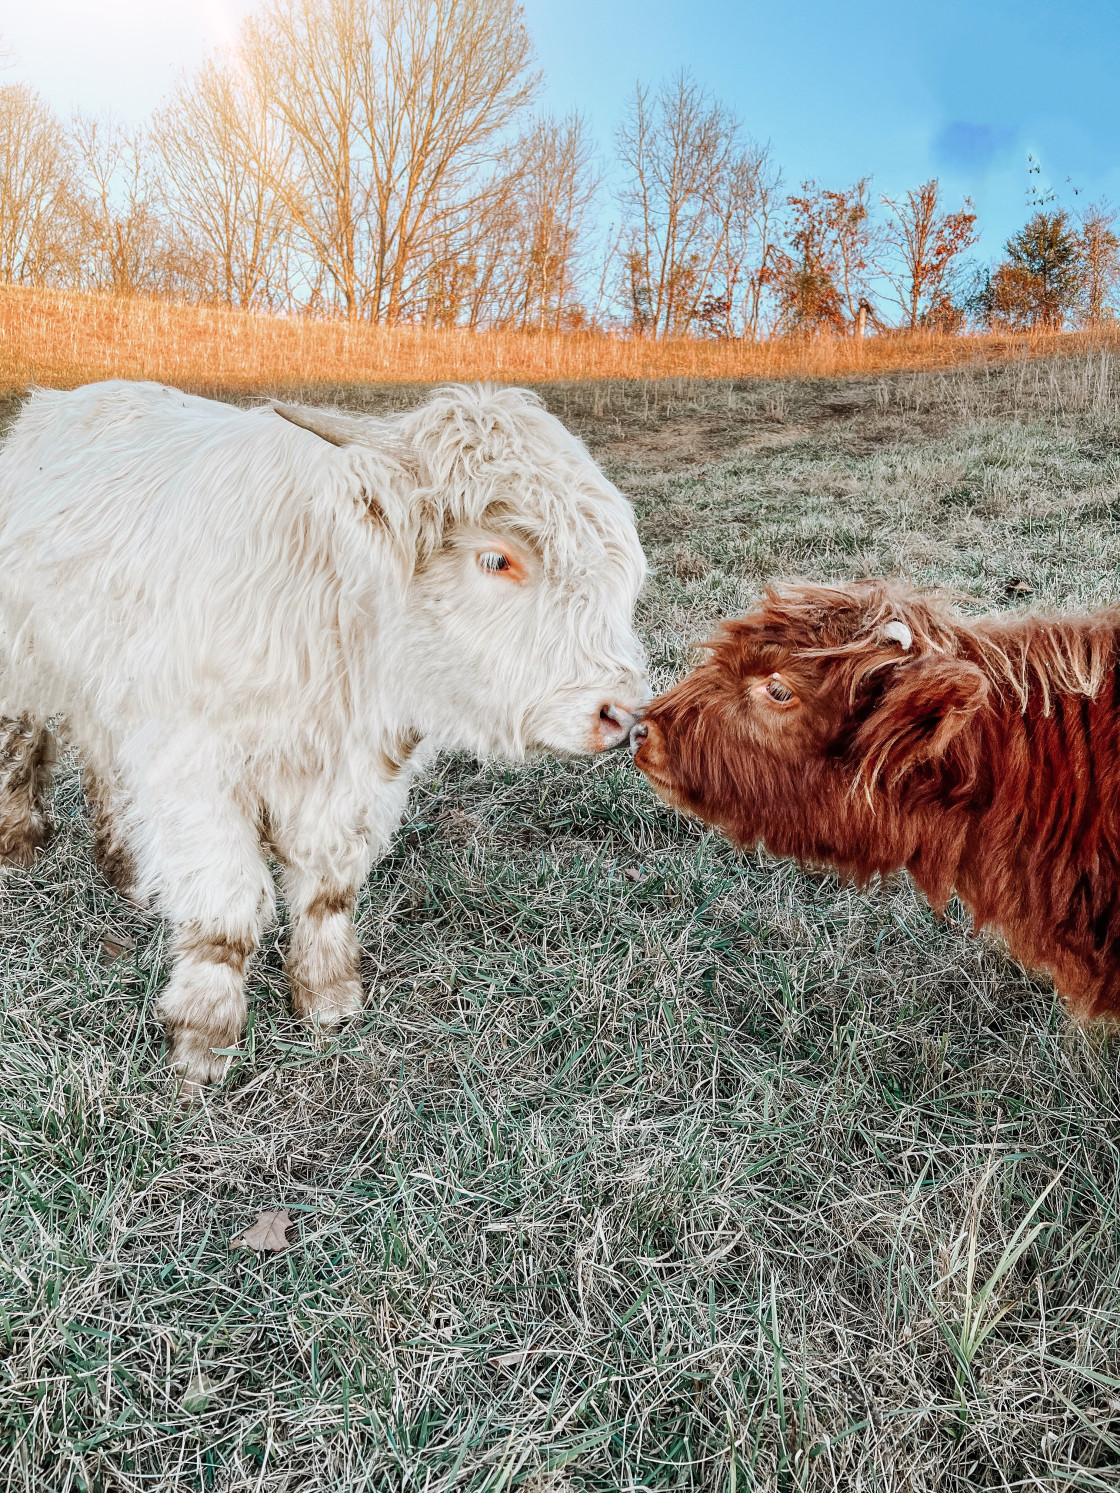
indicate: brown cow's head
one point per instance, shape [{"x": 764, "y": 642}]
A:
[{"x": 824, "y": 712}]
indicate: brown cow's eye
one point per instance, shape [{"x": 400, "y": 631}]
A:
[
  {"x": 778, "y": 690},
  {"x": 493, "y": 560}
]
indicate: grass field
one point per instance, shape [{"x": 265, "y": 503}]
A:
[
  {"x": 651, "y": 1166},
  {"x": 60, "y": 339}
]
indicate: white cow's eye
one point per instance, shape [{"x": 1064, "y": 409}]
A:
[
  {"x": 493, "y": 560},
  {"x": 779, "y": 690}
]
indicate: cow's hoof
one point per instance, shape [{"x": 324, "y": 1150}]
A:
[
  {"x": 330, "y": 1007},
  {"x": 190, "y": 1054}
]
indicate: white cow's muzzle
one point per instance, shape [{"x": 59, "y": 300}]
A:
[{"x": 615, "y": 725}]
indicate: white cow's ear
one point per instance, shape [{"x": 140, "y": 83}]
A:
[
  {"x": 339, "y": 430},
  {"x": 898, "y": 632}
]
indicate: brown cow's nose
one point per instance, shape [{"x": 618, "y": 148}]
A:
[{"x": 638, "y": 735}]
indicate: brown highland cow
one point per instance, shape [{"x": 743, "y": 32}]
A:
[{"x": 871, "y": 728}]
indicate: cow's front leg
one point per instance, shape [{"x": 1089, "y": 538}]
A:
[
  {"x": 323, "y": 953},
  {"x": 199, "y": 852},
  {"x": 326, "y": 839}
]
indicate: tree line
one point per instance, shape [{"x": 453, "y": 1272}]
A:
[{"x": 383, "y": 160}]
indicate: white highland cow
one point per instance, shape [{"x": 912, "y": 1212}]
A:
[{"x": 255, "y": 626}]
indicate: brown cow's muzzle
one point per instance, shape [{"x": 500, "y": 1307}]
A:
[{"x": 647, "y": 746}]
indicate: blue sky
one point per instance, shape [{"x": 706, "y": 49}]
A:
[{"x": 900, "y": 91}]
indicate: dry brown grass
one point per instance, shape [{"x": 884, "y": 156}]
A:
[{"x": 62, "y": 339}]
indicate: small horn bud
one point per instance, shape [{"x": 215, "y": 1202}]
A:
[
  {"x": 338, "y": 430},
  {"x": 898, "y": 632}
]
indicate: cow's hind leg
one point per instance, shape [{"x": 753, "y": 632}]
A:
[
  {"x": 112, "y": 849},
  {"x": 27, "y": 756}
]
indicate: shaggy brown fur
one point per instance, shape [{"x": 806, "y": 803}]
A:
[
  {"x": 984, "y": 758},
  {"x": 214, "y": 948},
  {"x": 395, "y": 755},
  {"x": 27, "y": 755}
]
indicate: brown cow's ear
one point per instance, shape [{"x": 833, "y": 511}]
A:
[{"x": 918, "y": 717}]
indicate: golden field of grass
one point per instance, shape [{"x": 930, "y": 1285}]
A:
[{"x": 62, "y": 339}]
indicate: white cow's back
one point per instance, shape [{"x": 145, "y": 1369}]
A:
[{"x": 162, "y": 554}]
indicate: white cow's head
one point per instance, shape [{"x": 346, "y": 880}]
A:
[{"x": 516, "y": 635}]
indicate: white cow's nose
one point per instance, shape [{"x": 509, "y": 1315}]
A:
[{"x": 615, "y": 725}]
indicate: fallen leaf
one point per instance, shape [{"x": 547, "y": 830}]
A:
[
  {"x": 518, "y": 1355},
  {"x": 633, "y": 874},
  {"x": 199, "y": 1393},
  {"x": 269, "y": 1232},
  {"x": 113, "y": 945},
  {"x": 1022, "y": 587}
]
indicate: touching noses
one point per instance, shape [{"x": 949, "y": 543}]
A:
[
  {"x": 616, "y": 725},
  {"x": 638, "y": 734}
]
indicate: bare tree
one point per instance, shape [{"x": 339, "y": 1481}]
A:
[
  {"x": 855, "y": 234},
  {"x": 307, "y": 59},
  {"x": 923, "y": 244},
  {"x": 745, "y": 215},
  {"x": 537, "y": 248},
  {"x": 764, "y": 225},
  {"x": 679, "y": 149},
  {"x": 557, "y": 187},
  {"x": 1100, "y": 262},
  {"x": 126, "y": 247},
  {"x": 220, "y": 153},
  {"x": 397, "y": 113},
  {"x": 37, "y": 237}
]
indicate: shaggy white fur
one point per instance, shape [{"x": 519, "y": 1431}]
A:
[{"x": 254, "y": 633}]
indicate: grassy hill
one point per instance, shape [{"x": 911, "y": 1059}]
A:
[{"x": 63, "y": 338}]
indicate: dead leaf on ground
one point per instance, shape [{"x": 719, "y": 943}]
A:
[
  {"x": 688, "y": 566},
  {"x": 200, "y": 1391},
  {"x": 1015, "y": 586},
  {"x": 270, "y": 1232},
  {"x": 115, "y": 945}
]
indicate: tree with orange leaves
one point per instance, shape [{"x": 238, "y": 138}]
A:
[
  {"x": 923, "y": 245},
  {"x": 821, "y": 278}
]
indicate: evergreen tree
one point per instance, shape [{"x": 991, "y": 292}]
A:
[{"x": 1040, "y": 282}]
